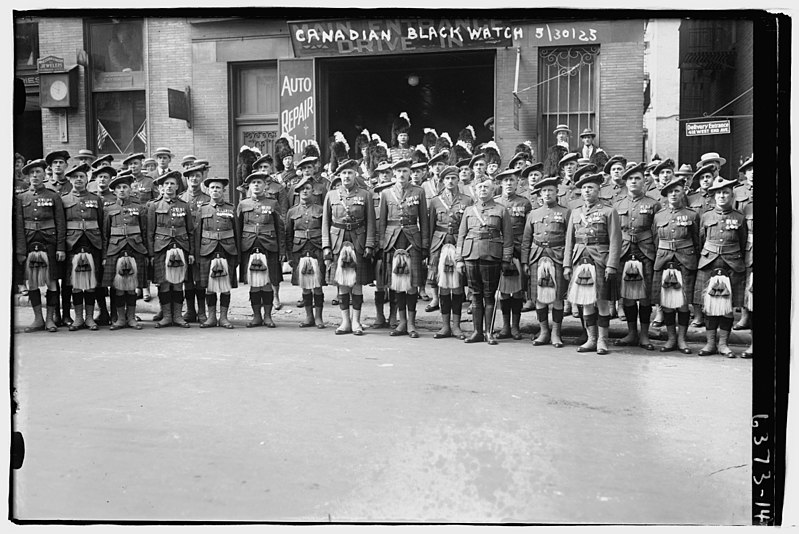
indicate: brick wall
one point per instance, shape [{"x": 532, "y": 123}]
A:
[
  {"x": 506, "y": 136},
  {"x": 210, "y": 108},
  {"x": 621, "y": 99},
  {"x": 62, "y": 37}
]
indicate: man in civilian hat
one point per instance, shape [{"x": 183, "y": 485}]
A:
[
  {"x": 544, "y": 242},
  {"x": 489, "y": 123},
  {"x": 188, "y": 161},
  {"x": 712, "y": 158},
  {"x": 596, "y": 155},
  {"x": 745, "y": 198},
  {"x": 86, "y": 156},
  {"x": 348, "y": 236},
  {"x": 556, "y": 152},
  {"x": 636, "y": 214},
  {"x": 593, "y": 237},
  {"x": 403, "y": 225},
  {"x": 57, "y": 161},
  {"x": 722, "y": 267},
  {"x": 149, "y": 165},
  {"x": 217, "y": 242},
  {"x": 195, "y": 197},
  {"x": 163, "y": 157},
  {"x": 170, "y": 234},
  {"x": 41, "y": 232}
]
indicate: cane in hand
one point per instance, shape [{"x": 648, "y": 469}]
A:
[{"x": 496, "y": 304}]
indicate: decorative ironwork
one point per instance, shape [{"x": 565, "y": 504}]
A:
[
  {"x": 263, "y": 139},
  {"x": 568, "y": 61}
]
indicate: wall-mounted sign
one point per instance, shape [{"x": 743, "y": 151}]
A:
[
  {"x": 394, "y": 36},
  {"x": 297, "y": 101},
  {"x": 707, "y": 127},
  {"x": 50, "y": 64},
  {"x": 180, "y": 104}
]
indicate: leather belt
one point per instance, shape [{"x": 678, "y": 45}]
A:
[
  {"x": 212, "y": 234},
  {"x": 637, "y": 237},
  {"x": 308, "y": 234},
  {"x": 592, "y": 240},
  {"x": 349, "y": 225},
  {"x": 172, "y": 231},
  {"x": 256, "y": 228},
  {"x": 131, "y": 229},
  {"x": 722, "y": 249},
  {"x": 485, "y": 234},
  {"x": 405, "y": 223},
  {"x": 82, "y": 225},
  {"x": 447, "y": 229},
  {"x": 558, "y": 243},
  {"x": 40, "y": 225},
  {"x": 674, "y": 244}
]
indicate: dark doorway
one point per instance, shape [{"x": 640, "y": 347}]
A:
[{"x": 452, "y": 90}]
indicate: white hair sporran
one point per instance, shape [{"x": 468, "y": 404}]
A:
[
  {"x": 309, "y": 274},
  {"x": 546, "y": 290},
  {"x": 346, "y": 274},
  {"x": 448, "y": 275},
  {"x": 257, "y": 270},
  {"x": 37, "y": 269},
  {"x": 126, "y": 275},
  {"x": 632, "y": 280},
  {"x": 83, "y": 277},
  {"x": 583, "y": 286},
  {"x": 671, "y": 288},
  {"x": 219, "y": 276},
  {"x": 718, "y": 294},
  {"x": 401, "y": 271},
  {"x": 175, "y": 263}
]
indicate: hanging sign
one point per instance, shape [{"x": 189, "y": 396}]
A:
[
  {"x": 718, "y": 127},
  {"x": 297, "y": 101}
]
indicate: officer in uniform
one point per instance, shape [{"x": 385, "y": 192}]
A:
[
  {"x": 744, "y": 200},
  {"x": 381, "y": 279},
  {"x": 446, "y": 211},
  {"x": 83, "y": 213},
  {"x": 170, "y": 226},
  {"x": 677, "y": 241},
  {"x": 42, "y": 219},
  {"x": 556, "y": 153},
  {"x": 403, "y": 224},
  {"x": 217, "y": 244},
  {"x": 594, "y": 236},
  {"x": 304, "y": 239},
  {"x": 545, "y": 237},
  {"x": 262, "y": 232},
  {"x": 348, "y": 218},
  {"x": 518, "y": 207},
  {"x": 485, "y": 249},
  {"x": 723, "y": 234},
  {"x": 636, "y": 214},
  {"x": 432, "y": 187},
  {"x": 124, "y": 231},
  {"x": 194, "y": 197}
]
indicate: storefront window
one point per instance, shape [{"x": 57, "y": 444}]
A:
[
  {"x": 120, "y": 122},
  {"x": 568, "y": 94},
  {"x": 26, "y": 45}
]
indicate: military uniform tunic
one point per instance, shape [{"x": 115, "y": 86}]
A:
[
  {"x": 217, "y": 236},
  {"x": 62, "y": 188},
  {"x": 194, "y": 200},
  {"x": 348, "y": 215},
  {"x": 677, "y": 245},
  {"x": 320, "y": 187},
  {"x": 635, "y": 217},
  {"x": 142, "y": 189},
  {"x": 485, "y": 239},
  {"x": 404, "y": 224},
  {"x": 261, "y": 231},
  {"x": 304, "y": 237},
  {"x": 170, "y": 224},
  {"x": 124, "y": 231},
  {"x": 84, "y": 219},
  {"x": 277, "y": 191},
  {"x": 445, "y": 215},
  {"x": 45, "y": 226},
  {"x": 723, "y": 233},
  {"x": 701, "y": 201},
  {"x": 594, "y": 235},
  {"x": 545, "y": 236}
]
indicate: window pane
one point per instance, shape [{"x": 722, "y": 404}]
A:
[
  {"x": 258, "y": 92},
  {"x": 117, "y": 55},
  {"x": 26, "y": 44},
  {"x": 120, "y": 122}
]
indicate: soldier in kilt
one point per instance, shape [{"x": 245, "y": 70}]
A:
[
  {"x": 485, "y": 249},
  {"x": 511, "y": 302},
  {"x": 43, "y": 245},
  {"x": 636, "y": 213},
  {"x": 545, "y": 237},
  {"x": 217, "y": 244},
  {"x": 83, "y": 213},
  {"x": 275, "y": 190},
  {"x": 403, "y": 227},
  {"x": 262, "y": 248},
  {"x": 304, "y": 240},
  {"x": 446, "y": 211},
  {"x": 125, "y": 251},
  {"x": 721, "y": 279},
  {"x": 348, "y": 243},
  {"x": 170, "y": 234},
  {"x": 100, "y": 185},
  {"x": 746, "y": 206},
  {"x": 383, "y": 171},
  {"x": 194, "y": 196},
  {"x": 59, "y": 183},
  {"x": 593, "y": 249},
  {"x": 676, "y": 235}
]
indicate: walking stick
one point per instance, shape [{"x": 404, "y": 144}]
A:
[{"x": 496, "y": 304}]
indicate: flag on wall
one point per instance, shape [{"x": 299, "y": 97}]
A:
[{"x": 102, "y": 135}]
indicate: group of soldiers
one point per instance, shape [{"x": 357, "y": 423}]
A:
[{"x": 578, "y": 238}]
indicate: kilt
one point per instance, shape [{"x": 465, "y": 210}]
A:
[
  {"x": 109, "y": 270},
  {"x": 159, "y": 267},
  {"x": 435, "y": 257},
  {"x": 483, "y": 276},
  {"x": 56, "y": 268},
  {"x": 561, "y": 285},
  {"x": 272, "y": 263},
  {"x": 605, "y": 290},
  {"x": 688, "y": 282},
  {"x": 295, "y": 260},
  {"x": 204, "y": 268},
  {"x": 415, "y": 255},
  {"x": 737, "y": 282},
  {"x": 97, "y": 256},
  {"x": 649, "y": 271},
  {"x": 364, "y": 271}
]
